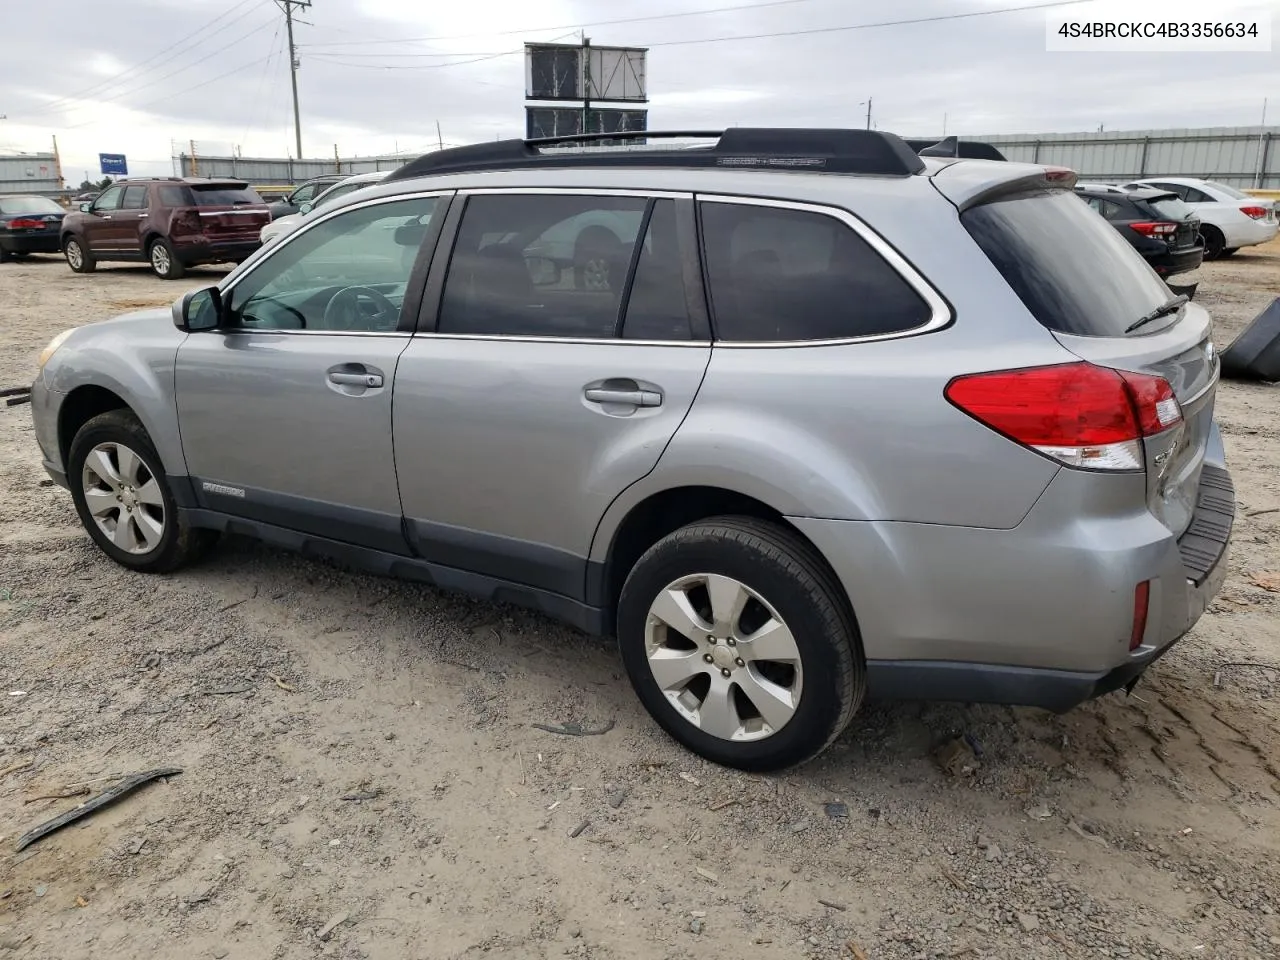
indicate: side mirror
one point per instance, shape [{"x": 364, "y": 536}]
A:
[
  {"x": 86, "y": 207},
  {"x": 198, "y": 310},
  {"x": 305, "y": 207}
]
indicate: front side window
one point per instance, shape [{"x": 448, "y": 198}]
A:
[
  {"x": 109, "y": 200},
  {"x": 778, "y": 274},
  {"x": 541, "y": 265},
  {"x": 345, "y": 274}
]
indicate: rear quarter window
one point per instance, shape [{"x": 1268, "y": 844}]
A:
[
  {"x": 778, "y": 274},
  {"x": 1074, "y": 272},
  {"x": 174, "y": 197}
]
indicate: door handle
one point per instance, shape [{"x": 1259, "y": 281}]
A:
[
  {"x": 142, "y": 216},
  {"x": 355, "y": 379},
  {"x": 634, "y": 398},
  {"x": 105, "y": 216}
]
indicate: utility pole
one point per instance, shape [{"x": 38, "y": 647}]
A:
[
  {"x": 868, "y": 113},
  {"x": 287, "y": 6},
  {"x": 586, "y": 83}
]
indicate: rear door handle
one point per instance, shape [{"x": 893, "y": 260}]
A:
[
  {"x": 355, "y": 379},
  {"x": 634, "y": 398}
]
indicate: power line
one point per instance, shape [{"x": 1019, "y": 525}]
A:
[
  {"x": 174, "y": 50},
  {"x": 257, "y": 102},
  {"x": 331, "y": 58},
  {"x": 576, "y": 26},
  {"x": 174, "y": 73}
]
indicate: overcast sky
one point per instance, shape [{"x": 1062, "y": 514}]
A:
[{"x": 138, "y": 76}]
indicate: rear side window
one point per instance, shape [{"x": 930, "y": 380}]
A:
[
  {"x": 135, "y": 197},
  {"x": 1231, "y": 192},
  {"x": 1075, "y": 273},
  {"x": 224, "y": 196},
  {"x": 781, "y": 275},
  {"x": 174, "y": 197}
]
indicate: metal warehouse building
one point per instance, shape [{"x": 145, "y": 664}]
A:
[
  {"x": 1244, "y": 157},
  {"x": 29, "y": 173}
]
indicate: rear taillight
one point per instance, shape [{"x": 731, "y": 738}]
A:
[
  {"x": 1078, "y": 414},
  {"x": 1141, "y": 603},
  {"x": 1155, "y": 229},
  {"x": 25, "y": 224},
  {"x": 1258, "y": 213}
]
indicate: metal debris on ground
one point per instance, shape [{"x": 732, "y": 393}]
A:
[
  {"x": 956, "y": 757},
  {"x": 287, "y": 687},
  {"x": 707, "y": 875},
  {"x": 575, "y": 729},
  {"x": 234, "y": 688},
  {"x": 60, "y": 795},
  {"x": 836, "y": 811},
  {"x": 690, "y": 778},
  {"x": 856, "y": 951},
  {"x": 577, "y": 831},
  {"x": 721, "y": 804},
  {"x": 15, "y": 767},
  {"x": 360, "y": 796},
  {"x": 108, "y": 796},
  {"x": 337, "y": 920},
  {"x": 833, "y": 905}
]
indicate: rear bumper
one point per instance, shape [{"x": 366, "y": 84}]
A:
[
  {"x": 1038, "y": 616},
  {"x": 1252, "y": 233},
  {"x": 1177, "y": 261},
  {"x": 218, "y": 252},
  {"x": 32, "y": 243}
]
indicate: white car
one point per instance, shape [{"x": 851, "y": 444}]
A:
[
  {"x": 1229, "y": 218},
  {"x": 279, "y": 227}
]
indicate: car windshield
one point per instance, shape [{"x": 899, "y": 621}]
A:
[
  {"x": 39, "y": 205},
  {"x": 1075, "y": 273},
  {"x": 1231, "y": 192},
  {"x": 1171, "y": 207},
  {"x": 338, "y": 190},
  {"x": 223, "y": 195}
]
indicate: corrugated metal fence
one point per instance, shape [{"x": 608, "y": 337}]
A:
[
  {"x": 29, "y": 173},
  {"x": 1244, "y": 157},
  {"x": 269, "y": 170}
]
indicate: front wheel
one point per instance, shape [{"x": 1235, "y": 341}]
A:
[
  {"x": 165, "y": 262},
  {"x": 737, "y": 639},
  {"x": 123, "y": 498},
  {"x": 78, "y": 258}
]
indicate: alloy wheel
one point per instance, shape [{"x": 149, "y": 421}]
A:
[
  {"x": 723, "y": 657},
  {"x": 123, "y": 497},
  {"x": 160, "y": 259}
]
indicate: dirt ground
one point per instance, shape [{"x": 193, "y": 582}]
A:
[{"x": 363, "y": 749}]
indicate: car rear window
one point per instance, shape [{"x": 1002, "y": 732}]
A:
[
  {"x": 1073, "y": 270},
  {"x": 224, "y": 196},
  {"x": 31, "y": 205},
  {"x": 1229, "y": 191},
  {"x": 1171, "y": 208}
]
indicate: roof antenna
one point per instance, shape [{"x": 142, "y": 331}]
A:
[{"x": 946, "y": 147}]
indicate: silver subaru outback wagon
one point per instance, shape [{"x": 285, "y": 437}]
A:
[{"x": 799, "y": 416}]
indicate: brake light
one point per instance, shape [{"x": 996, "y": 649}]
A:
[
  {"x": 1060, "y": 175},
  {"x": 21, "y": 224},
  {"x": 1258, "y": 213},
  {"x": 1155, "y": 229},
  {"x": 1076, "y": 413},
  {"x": 1141, "y": 603}
]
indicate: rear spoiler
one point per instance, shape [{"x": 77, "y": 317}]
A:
[{"x": 955, "y": 147}]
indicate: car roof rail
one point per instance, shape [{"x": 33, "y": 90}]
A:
[
  {"x": 955, "y": 147},
  {"x": 758, "y": 148}
]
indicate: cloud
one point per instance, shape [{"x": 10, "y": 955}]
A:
[{"x": 64, "y": 72}]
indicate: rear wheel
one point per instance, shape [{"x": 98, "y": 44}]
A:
[
  {"x": 123, "y": 498},
  {"x": 736, "y": 638},
  {"x": 78, "y": 258},
  {"x": 1214, "y": 242},
  {"x": 164, "y": 261}
]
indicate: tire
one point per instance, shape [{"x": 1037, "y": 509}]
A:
[
  {"x": 78, "y": 258},
  {"x": 164, "y": 260},
  {"x": 152, "y": 509},
  {"x": 1214, "y": 242},
  {"x": 1229, "y": 252},
  {"x": 4, "y": 255},
  {"x": 594, "y": 256},
  {"x": 786, "y": 579}
]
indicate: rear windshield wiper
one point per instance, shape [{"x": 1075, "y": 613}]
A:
[{"x": 1173, "y": 306}]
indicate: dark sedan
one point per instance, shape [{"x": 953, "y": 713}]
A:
[
  {"x": 1159, "y": 225},
  {"x": 29, "y": 225}
]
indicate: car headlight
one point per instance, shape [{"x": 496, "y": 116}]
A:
[{"x": 53, "y": 346}]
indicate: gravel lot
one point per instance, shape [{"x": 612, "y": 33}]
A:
[{"x": 393, "y": 776}]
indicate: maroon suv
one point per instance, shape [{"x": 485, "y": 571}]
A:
[{"x": 170, "y": 222}]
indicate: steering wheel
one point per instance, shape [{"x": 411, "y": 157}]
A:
[{"x": 343, "y": 310}]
